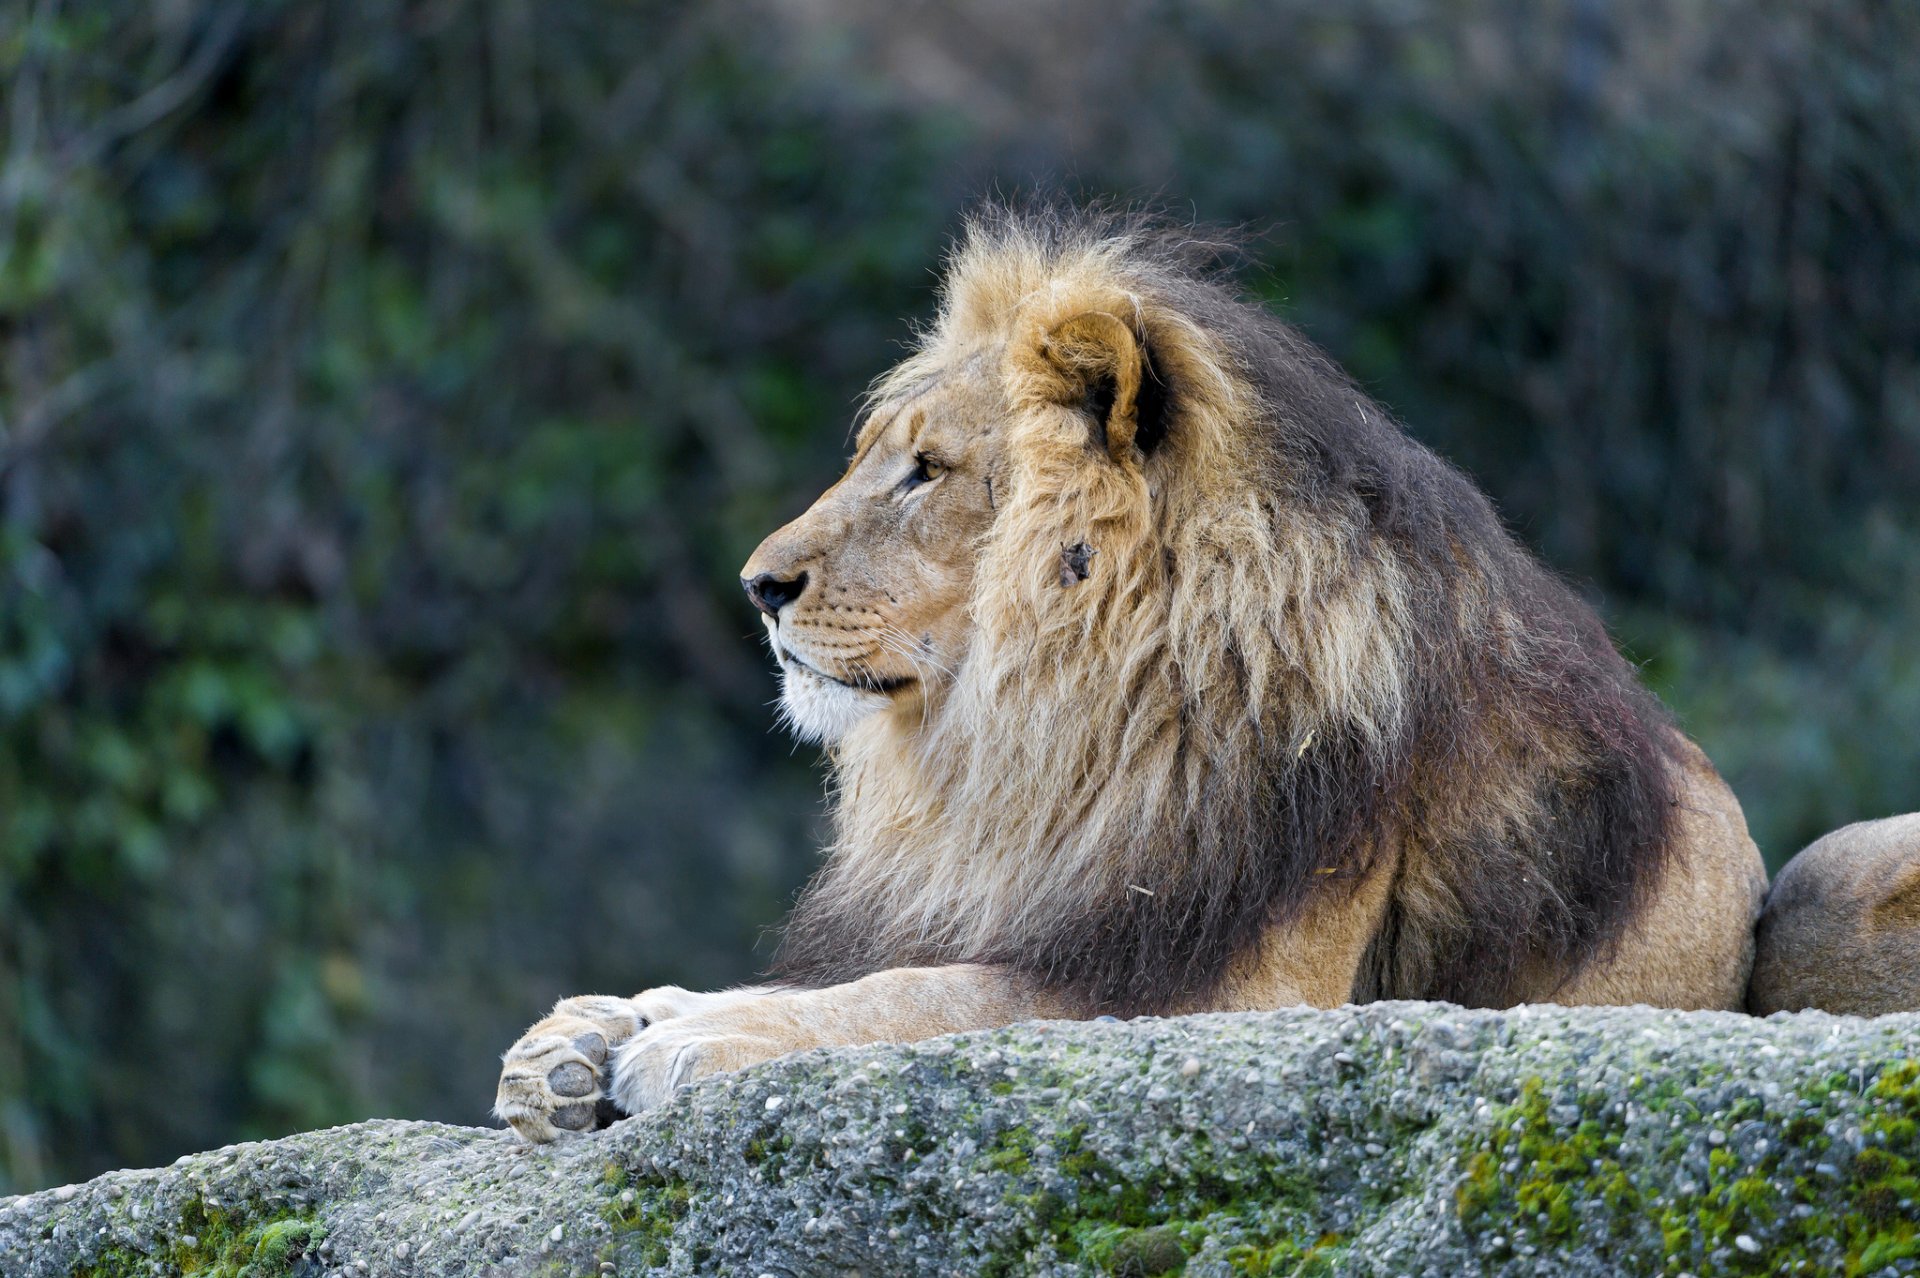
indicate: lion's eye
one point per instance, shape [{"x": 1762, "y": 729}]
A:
[{"x": 925, "y": 470}]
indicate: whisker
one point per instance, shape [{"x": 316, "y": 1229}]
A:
[
  {"x": 920, "y": 661},
  {"x": 912, "y": 649},
  {"x": 897, "y": 641}
]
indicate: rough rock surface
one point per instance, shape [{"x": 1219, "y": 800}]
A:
[{"x": 1399, "y": 1138}]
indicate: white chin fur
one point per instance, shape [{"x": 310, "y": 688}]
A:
[{"x": 820, "y": 710}]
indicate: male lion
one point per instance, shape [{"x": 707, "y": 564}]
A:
[{"x": 1161, "y": 672}]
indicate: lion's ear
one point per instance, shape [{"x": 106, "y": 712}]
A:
[{"x": 1106, "y": 368}]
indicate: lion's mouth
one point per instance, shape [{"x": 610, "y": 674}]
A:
[{"x": 863, "y": 683}]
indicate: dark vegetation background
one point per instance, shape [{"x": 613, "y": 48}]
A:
[{"x": 390, "y": 391}]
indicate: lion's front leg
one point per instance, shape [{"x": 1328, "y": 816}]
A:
[
  {"x": 899, "y": 1005},
  {"x": 553, "y": 1080}
]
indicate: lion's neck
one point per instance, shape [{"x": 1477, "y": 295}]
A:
[{"x": 950, "y": 843}]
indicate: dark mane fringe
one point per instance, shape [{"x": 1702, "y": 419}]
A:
[
  {"x": 1528, "y": 793},
  {"x": 1544, "y": 692}
]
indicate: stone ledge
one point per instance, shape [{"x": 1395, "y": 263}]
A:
[{"x": 1397, "y": 1138}]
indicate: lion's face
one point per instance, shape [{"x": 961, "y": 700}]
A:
[{"x": 865, "y": 595}]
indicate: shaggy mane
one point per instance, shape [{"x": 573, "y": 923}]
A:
[{"x": 1303, "y": 641}]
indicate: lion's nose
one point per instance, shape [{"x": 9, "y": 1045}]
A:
[{"x": 770, "y": 593}]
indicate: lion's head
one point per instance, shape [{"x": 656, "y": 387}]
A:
[
  {"x": 1134, "y": 625},
  {"x": 1028, "y": 425},
  {"x": 865, "y": 597}
]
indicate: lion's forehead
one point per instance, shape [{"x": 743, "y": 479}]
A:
[{"x": 964, "y": 388}]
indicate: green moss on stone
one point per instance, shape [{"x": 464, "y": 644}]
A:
[
  {"x": 1082, "y": 1208},
  {"x": 1288, "y": 1258},
  {"x": 1137, "y": 1253},
  {"x": 1538, "y": 1175},
  {"x": 643, "y": 1212},
  {"x": 218, "y": 1242},
  {"x": 1010, "y": 1151}
]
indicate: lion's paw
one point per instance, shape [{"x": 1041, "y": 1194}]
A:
[
  {"x": 553, "y": 1081},
  {"x": 650, "y": 1068}
]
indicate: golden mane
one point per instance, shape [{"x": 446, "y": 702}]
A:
[{"x": 1299, "y": 635}]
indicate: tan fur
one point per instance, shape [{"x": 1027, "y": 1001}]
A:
[
  {"x": 1676, "y": 954},
  {"x": 1316, "y": 962},
  {"x": 1841, "y": 930},
  {"x": 994, "y": 646}
]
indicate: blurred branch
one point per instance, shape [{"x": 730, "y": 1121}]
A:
[{"x": 171, "y": 94}]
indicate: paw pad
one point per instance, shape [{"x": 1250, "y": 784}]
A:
[
  {"x": 571, "y": 1079},
  {"x": 572, "y": 1118}
]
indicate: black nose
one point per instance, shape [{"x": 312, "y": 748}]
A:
[{"x": 770, "y": 594}]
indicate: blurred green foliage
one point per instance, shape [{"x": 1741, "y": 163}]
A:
[{"x": 390, "y": 392}]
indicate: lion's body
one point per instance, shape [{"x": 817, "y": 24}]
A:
[
  {"x": 1307, "y": 658},
  {"x": 1162, "y": 672}
]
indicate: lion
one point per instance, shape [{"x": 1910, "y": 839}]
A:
[
  {"x": 1160, "y": 671},
  {"x": 1841, "y": 928}
]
